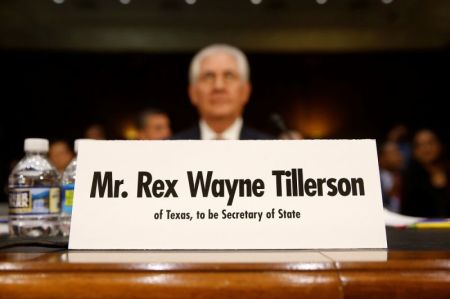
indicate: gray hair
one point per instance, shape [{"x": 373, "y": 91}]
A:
[{"x": 241, "y": 59}]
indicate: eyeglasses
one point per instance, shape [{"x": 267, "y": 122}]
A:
[{"x": 211, "y": 77}]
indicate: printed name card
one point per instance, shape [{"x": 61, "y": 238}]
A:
[{"x": 305, "y": 194}]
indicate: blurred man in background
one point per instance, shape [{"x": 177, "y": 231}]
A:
[
  {"x": 391, "y": 166},
  {"x": 219, "y": 88},
  {"x": 426, "y": 187},
  {"x": 95, "y": 131},
  {"x": 60, "y": 154},
  {"x": 153, "y": 124}
]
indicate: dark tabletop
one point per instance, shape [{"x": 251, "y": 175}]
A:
[{"x": 398, "y": 239}]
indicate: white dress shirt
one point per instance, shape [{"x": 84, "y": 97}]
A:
[{"x": 232, "y": 133}]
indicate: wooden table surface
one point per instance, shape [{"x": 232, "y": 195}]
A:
[
  {"x": 244, "y": 274},
  {"x": 416, "y": 265}
]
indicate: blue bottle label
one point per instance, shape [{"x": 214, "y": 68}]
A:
[
  {"x": 40, "y": 200},
  {"x": 67, "y": 198}
]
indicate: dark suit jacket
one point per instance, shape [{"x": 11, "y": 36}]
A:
[{"x": 246, "y": 134}]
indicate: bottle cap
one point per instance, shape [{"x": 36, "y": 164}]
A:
[{"x": 39, "y": 145}]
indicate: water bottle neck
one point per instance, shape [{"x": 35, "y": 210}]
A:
[{"x": 34, "y": 153}]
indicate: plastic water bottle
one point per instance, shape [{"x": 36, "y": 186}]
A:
[
  {"x": 34, "y": 193},
  {"x": 68, "y": 185}
]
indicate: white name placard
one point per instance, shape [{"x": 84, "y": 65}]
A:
[{"x": 306, "y": 194}]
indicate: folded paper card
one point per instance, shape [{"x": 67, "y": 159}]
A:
[{"x": 227, "y": 195}]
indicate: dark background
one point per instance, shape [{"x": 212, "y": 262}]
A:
[{"x": 58, "y": 94}]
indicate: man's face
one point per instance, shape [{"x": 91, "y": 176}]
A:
[
  {"x": 60, "y": 155},
  {"x": 157, "y": 127},
  {"x": 219, "y": 91},
  {"x": 427, "y": 147},
  {"x": 391, "y": 158}
]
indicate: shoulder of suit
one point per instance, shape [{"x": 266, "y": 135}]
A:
[
  {"x": 250, "y": 133},
  {"x": 192, "y": 133}
]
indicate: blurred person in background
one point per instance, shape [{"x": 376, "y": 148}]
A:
[
  {"x": 60, "y": 154},
  {"x": 95, "y": 131},
  {"x": 153, "y": 124},
  {"x": 399, "y": 134},
  {"x": 391, "y": 167},
  {"x": 219, "y": 87},
  {"x": 426, "y": 187}
]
